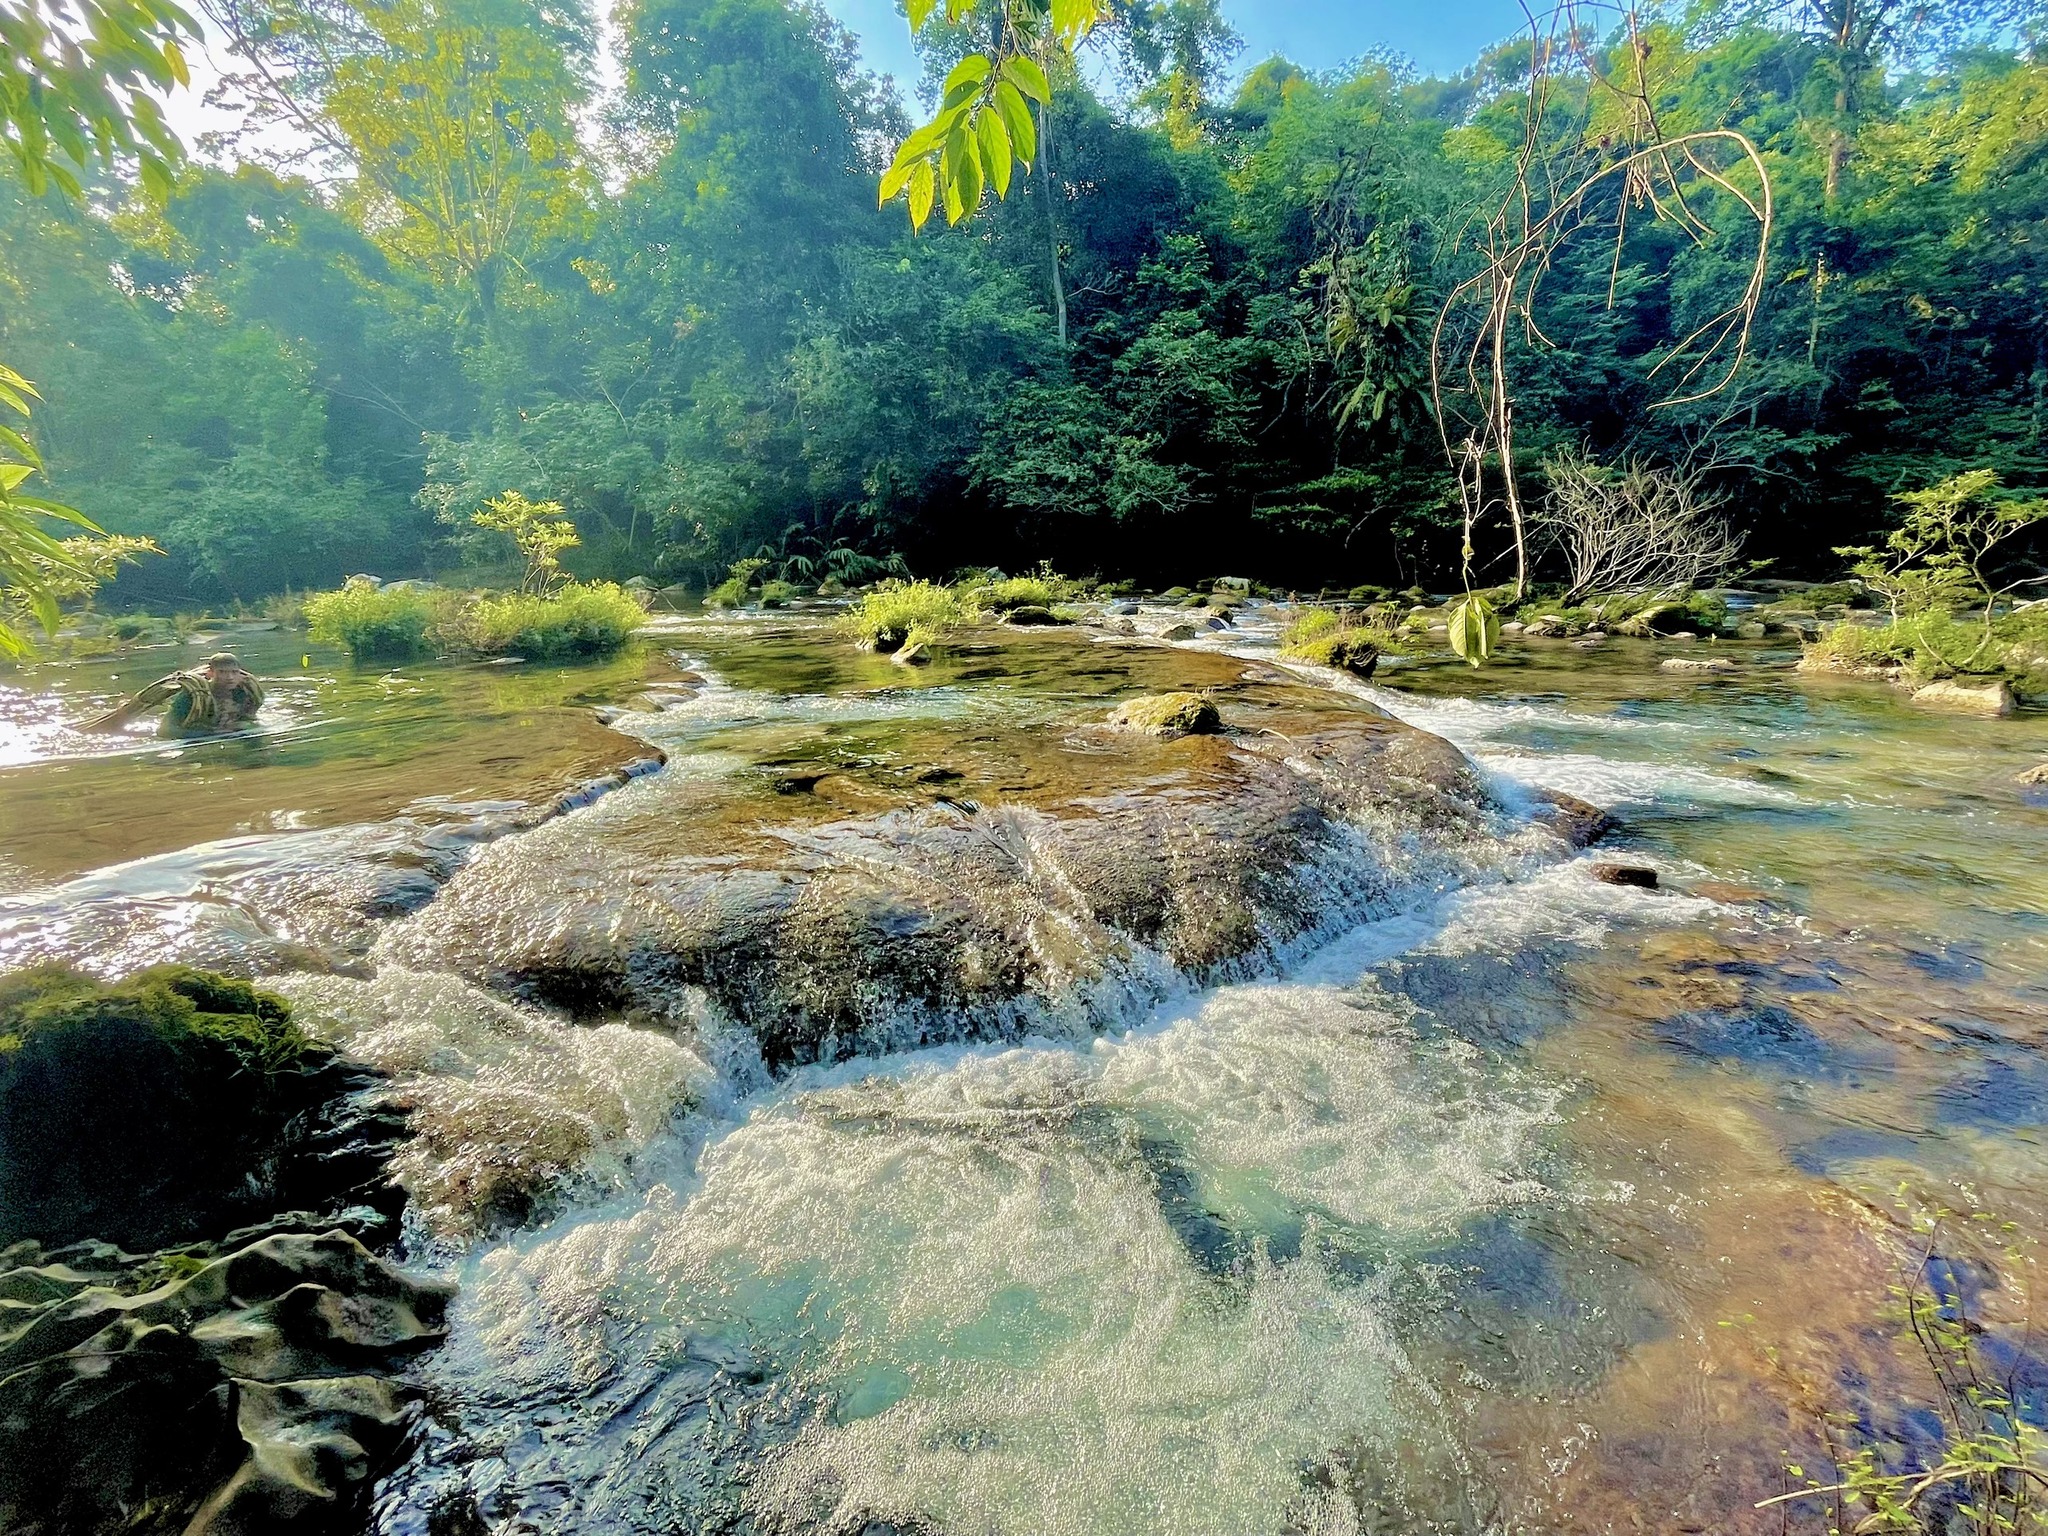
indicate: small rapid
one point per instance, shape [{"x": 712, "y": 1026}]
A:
[{"x": 916, "y": 1108}]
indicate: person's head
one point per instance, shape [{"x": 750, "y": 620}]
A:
[{"x": 223, "y": 667}]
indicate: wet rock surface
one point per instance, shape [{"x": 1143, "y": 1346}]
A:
[
  {"x": 1068, "y": 867},
  {"x": 275, "y": 902},
  {"x": 241, "y": 1389},
  {"x": 232, "y": 1380}
]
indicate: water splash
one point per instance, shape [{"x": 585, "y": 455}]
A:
[
  {"x": 1124, "y": 1286},
  {"x": 512, "y": 1110}
]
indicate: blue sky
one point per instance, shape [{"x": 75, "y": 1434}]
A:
[{"x": 1439, "y": 35}]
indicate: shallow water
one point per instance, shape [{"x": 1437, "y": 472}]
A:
[{"x": 1526, "y": 1202}]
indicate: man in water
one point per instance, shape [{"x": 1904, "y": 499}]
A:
[{"x": 221, "y": 696}]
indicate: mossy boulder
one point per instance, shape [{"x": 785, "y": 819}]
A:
[
  {"x": 169, "y": 1107},
  {"x": 1033, "y": 615},
  {"x": 1168, "y": 716}
]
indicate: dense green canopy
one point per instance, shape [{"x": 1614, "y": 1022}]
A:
[{"x": 1194, "y": 338}]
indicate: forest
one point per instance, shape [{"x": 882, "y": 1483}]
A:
[{"x": 455, "y": 249}]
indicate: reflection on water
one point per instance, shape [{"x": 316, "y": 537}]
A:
[
  {"x": 1537, "y": 1203},
  {"x": 334, "y": 744}
]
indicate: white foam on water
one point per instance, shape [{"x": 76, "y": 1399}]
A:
[
  {"x": 966, "y": 1256},
  {"x": 508, "y": 1103}
]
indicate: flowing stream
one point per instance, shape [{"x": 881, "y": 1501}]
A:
[{"x": 1501, "y": 1198}]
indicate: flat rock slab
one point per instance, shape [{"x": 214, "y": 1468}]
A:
[
  {"x": 1994, "y": 700},
  {"x": 1013, "y": 864}
]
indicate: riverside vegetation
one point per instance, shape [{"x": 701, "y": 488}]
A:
[{"x": 1649, "y": 346}]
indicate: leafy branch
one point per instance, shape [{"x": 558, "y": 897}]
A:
[{"x": 984, "y": 128}]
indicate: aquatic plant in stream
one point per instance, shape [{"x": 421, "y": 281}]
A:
[
  {"x": 1987, "y": 1471},
  {"x": 1332, "y": 639},
  {"x": 739, "y": 579},
  {"x": 1041, "y": 589},
  {"x": 577, "y": 619},
  {"x": 900, "y": 613}
]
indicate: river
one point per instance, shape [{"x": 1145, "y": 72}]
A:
[{"x": 1495, "y": 1198}]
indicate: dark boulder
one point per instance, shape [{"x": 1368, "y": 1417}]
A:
[
  {"x": 171, "y": 1107},
  {"x": 207, "y": 1391}
]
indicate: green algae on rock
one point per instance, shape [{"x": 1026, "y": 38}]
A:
[
  {"x": 1061, "y": 880},
  {"x": 168, "y": 1107},
  {"x": 1168, "y": 716}
]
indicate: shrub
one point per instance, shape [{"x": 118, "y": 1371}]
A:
[
  {"x": 1936, "y": 645},
  {"x": 778, "y": 594},
  {"x": 739, "y": 579},
  {"x": 1860, "y": 648},
  {"x": 374, "y": 623},
  {"x": 577, "y": 620},
  {"x": 539, "y": 529},
  {"x": 142, "y": 1112},
  {"x": 900, "y": 613}
]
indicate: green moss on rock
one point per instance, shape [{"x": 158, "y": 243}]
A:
[
  {"x": 148, "y": 1111},
  {"x": 1168, "y": 715}
]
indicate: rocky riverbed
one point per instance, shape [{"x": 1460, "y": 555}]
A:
[{"x": 925, "y": 1078}]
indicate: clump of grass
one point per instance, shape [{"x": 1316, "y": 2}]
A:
[
  {"x": 1042, "y": 589},
  {"x": 900, "y": 613},
  {"x": 579, "y": 619},
  {"x": 739, "y": 580},
  {"x": 374, "y": 623},
  {"x": 1332, "y": 639},
  {"x": 1860, "y": 648}
]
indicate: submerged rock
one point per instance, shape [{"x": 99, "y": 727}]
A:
[
  {"x": 2038, "y": 774},
  {"x": 1980, "y": 698},
  {"x": 1696, "y": 663},
  {"x": 1052, "y": 889},
  {"x": 1639, "y": 875},
  {"x": 1168, "y": 715}
]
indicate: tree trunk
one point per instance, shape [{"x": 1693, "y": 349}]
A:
[{"x": 1052, "y": 234}]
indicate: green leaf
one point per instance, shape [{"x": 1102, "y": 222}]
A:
[
  {"x": 1474, "y": 627},
  {"x": 15, "y": 443},
  {"x": 58, "y": 510},
  {"x": 1017, "y": 118},
  {"x": 1072, "y": 20},
  {"x": 898, "y": 177},
  {"x": 995, "y": 151},
  {"x": 923, "y": 182},
  {"x": 921, "y": 12},
  {"x": 971, "y": 71},
  {"x": 921, "y": 142},
  {"x": 12, "y": 475},
  {"x": 966, "y": 187},
  {"x": 1029, "y": 78}
]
